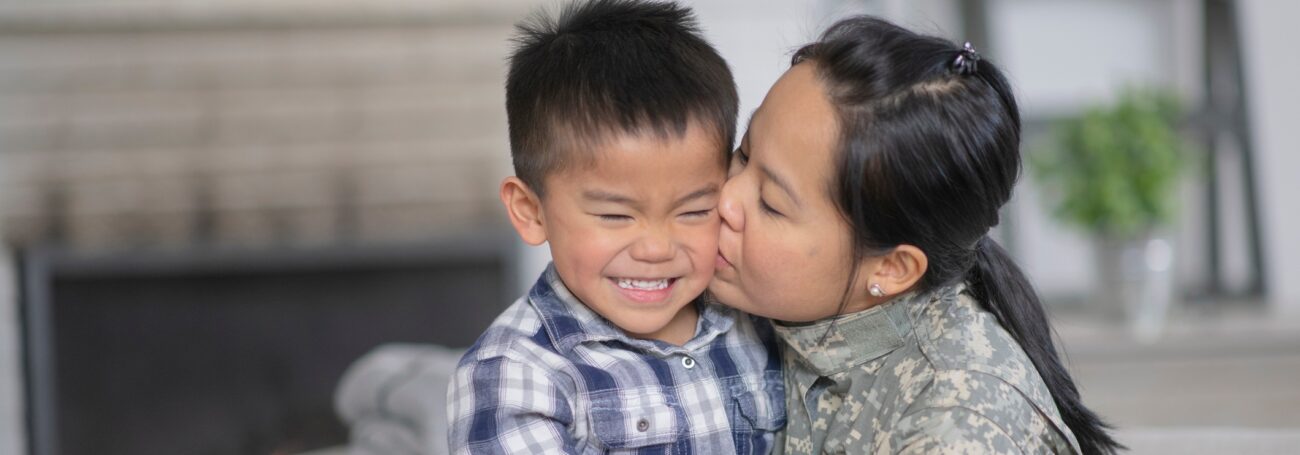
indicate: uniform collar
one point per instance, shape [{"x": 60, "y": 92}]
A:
[
  {"x": 836, "y": 344},
  {"x": 569, "y": 322}
]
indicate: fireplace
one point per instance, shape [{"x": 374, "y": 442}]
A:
[{"x": 232, "y": 353}]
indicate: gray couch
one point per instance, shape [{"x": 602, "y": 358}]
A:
[{"x": 394, "y": 401}]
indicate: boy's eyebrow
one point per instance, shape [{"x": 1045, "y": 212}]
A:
[
  {"x": 780, "y": 182},
  {"x": 605, "y": 196},
  {"x": 707, "y": 191}
]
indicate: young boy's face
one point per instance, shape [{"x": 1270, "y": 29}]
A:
[{"x": 634, "y": 235}]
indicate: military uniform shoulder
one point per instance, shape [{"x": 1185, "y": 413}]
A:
[
  {"x": 957, "y": 334},
  {"x": 981, "y": 392},
  {"x": 951, "y": 430},
  {"x": 959, "y": 337},
  {"x": 979, "y": 367},
  {"x": 973, "y": 405}
]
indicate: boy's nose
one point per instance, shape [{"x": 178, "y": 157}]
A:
[
  {"x": 653, "y": 247},
  {"x": 729, "y": 207}
]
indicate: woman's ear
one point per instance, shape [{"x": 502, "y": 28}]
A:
[
  {"x": 899, "y": 270},
  {"x": 524, "y": 208}
]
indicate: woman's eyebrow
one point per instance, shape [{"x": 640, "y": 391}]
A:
[{"x": 780, "y": 182}]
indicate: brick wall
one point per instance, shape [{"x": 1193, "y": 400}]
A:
[{"x": 159, "y": 126}]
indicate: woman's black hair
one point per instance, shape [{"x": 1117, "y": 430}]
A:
[{"x": 929, "y": 151}]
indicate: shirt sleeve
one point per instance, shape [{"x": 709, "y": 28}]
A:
[
  {"x": 504, "y": 406},
  {"x": 952, "y": 430}
]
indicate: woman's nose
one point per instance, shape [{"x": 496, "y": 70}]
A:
[{"x": 729, "y": 207}]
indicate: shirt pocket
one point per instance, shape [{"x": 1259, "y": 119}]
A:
[
  {"x": 759, "y": 413},
  {"x": 632, "y": 424},
  {"x": 762, "y": 405}
]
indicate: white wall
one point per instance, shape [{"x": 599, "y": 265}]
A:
[{"x": 1271, "y": 69}]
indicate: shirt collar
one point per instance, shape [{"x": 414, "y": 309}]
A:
[
  {"x": 836, "y": 344},
  {"x": 569, "y": 322}
]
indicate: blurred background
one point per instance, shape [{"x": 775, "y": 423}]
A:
[{"x": 210, "y": 209}]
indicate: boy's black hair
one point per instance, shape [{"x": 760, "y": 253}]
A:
[{"x": 605, "y": 67}]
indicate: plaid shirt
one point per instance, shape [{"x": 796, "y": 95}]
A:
[{"x": 552, "y": 376}]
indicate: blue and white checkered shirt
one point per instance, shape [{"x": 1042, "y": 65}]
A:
[{"x": 552, "y": 376}]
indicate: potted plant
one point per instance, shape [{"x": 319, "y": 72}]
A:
[{"x": 1113, "y": 171}]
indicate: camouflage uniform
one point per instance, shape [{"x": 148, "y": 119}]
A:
[{"x": 929, "y": 373}]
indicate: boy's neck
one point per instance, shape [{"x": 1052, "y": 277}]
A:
[{"x": 681, "y": 328}]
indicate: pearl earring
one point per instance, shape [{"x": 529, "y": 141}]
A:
[{"x": 876, "y": 290}]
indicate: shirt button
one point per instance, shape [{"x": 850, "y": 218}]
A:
[
  {"x": 688, "y": 362},
  {"x": 642, "y": 425}
]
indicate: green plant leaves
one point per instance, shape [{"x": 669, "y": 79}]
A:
[{"x": 1113, "y": 169}]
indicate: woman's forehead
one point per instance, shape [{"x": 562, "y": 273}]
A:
[
  {"x": 795, "y": 126},
  {"x": 797, "y": 106}
]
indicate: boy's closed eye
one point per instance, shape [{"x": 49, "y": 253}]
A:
[
  {"x": 697, "y": 213},
  {"x": 695, "y": 217},
  {"x": 614, "y": 218},
  {"x": 617, "y": 218}
]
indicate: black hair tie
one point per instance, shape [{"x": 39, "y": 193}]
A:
[{"x": 967, "y": 60}]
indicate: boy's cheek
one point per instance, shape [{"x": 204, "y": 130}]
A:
[{"x": 703, "y": 241}]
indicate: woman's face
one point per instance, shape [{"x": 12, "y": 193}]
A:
[{"x": 784, "y": 248}]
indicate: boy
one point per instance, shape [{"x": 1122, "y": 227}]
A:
[{"x": 621, "y": 121}]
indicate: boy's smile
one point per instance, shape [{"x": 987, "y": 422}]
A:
[
  {"x": 647, "y": 290},
  {"x": 633, "y": 228}
]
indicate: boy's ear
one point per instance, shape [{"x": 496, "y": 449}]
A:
[
  {"x": 899, "y": 270},
  {"x": 524, "y": 208}
]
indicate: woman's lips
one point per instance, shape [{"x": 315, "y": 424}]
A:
[{"x": 721, "y": 262}]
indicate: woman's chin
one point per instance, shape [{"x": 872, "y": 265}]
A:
[
  {"x": 722, "y": 291},
  {"x": 728, "y": 294}
]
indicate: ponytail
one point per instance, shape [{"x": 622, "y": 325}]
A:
[{"x": 1002, "y": 289}]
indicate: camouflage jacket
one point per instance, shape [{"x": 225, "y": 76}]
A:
[{"x": 929, "y": 373}]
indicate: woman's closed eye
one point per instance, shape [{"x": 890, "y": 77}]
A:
[
  {"x": 738, "y": 161},
  {"x": 741, "y": 160},
  {"x": 763, "y": 205}
]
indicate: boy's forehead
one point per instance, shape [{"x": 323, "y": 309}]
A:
[
  {"x": 597, "y": 149},
  {"x": 600, "y": 163},
  {"x": 640, "y": 164},
  {"x": 593, "y": 137}
]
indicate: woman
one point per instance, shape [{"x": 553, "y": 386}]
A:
[{"x": 857, "y": 216}]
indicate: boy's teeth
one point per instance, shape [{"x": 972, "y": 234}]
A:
[{"x": 643, "y": 285}]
